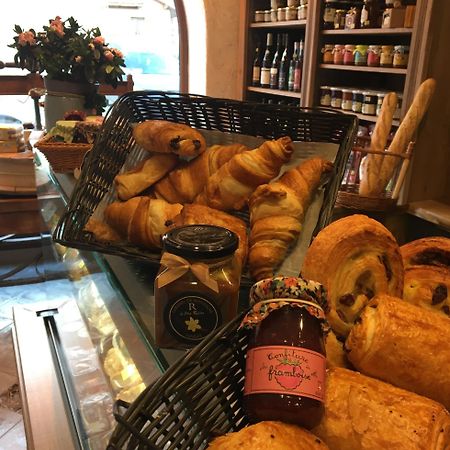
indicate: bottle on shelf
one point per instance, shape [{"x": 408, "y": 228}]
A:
[
  {"x": 329, "y": 14},
  {"x": 298, "y": 69},
  {"x": 256, "y": 72},
  {"x": 266, "y": 63},
  {"x": 292, "y": 63},
  {"x": 275, "y": 68},
  {"x": 284, "y": 65}
]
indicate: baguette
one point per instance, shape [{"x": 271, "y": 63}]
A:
[
  {"x": 371, "y": 164},
  {"x": 405, "y": 133}
]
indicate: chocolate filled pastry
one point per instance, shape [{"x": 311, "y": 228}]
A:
[
  {"x": 268, "y": 435},
  {"x": 404, "y": 345},
  {"x": 427, "y": 273},
  {"x": 162, "y": 136},
  {"x": 362, "y": 413},
  {"x": 334, "y": 350},
  {"x": 355, "y": 258}
]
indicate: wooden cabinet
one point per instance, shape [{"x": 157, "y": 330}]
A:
[{"x": 427, "y": 188}]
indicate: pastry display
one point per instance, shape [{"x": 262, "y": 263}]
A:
[
  {"x": 230, "y": 187},
  {"x": 355, "y": 258},
  {"x": 277, "y": 211},
  {"x": 184, "y": 183},
  {"x": 362, "y": 413},
  {"x": 427, "y": 273},
  {"x": 334, "y": 350},
  {"x": 162, "y": 136},
  {"x": 404, "y": 345},
  {"x": 268, "y": 435}
]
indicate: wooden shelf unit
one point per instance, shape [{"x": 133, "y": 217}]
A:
[
  {"x": 370, "y": 31},
  {"x": 366, "y": 117},
  {"x": 279, "y": 92},
  {"x": 392, "y": 70},
  {"x": 281, "y": 24}
]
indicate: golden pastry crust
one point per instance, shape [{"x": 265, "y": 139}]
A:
[
  {"x": 268, "y": 435},
  {"x": 355, "y": 258},
  {"x": 363, "y": 413},
  {"x": 102, "y": 231},
  {"x": 334, "y": 350},
  {"x": 162, "y": 136},
  {"x": 277, "y": 212},
  {"x": 429, "y": 251},
  {"x": 404, "y": 345}
]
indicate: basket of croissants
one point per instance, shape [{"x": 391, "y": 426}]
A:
[
  {"x": 154, "y": 167},
  {"x": 387, "y": 358}
]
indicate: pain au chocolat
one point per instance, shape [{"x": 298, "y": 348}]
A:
[{"x": 355, "y": 258}]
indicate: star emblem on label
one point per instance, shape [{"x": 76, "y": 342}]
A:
[{"x": 192, "y": 324}]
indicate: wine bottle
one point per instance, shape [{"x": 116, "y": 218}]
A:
[
  {"x": 256, "y": 73},
  {"x": 291, "y": 76},
  {"x": 267, "y": 62},
  {"x": 274, "y": 69},
  {"x": 298, "y": 69},
  {"x": 284, "y": 65}
]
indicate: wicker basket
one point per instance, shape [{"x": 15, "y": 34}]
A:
[
  {"x": 64, "y": 157},
  {"x": 198, "y": 398},
  {"x": 348, "y": 195}
]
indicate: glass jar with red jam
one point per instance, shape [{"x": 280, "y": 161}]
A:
[
  {"x": 197, "y": 286},
  {"x": 285, "y": 361}
]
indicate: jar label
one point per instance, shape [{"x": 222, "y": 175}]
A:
[
  {"x": 190, "y": 318},
  {"x": 285, "y": 370}
]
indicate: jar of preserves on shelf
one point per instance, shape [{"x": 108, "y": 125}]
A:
[
  {"x": 373, "y": 55},
  {"x": 285, "y": 364},
  {"x": 361, "y": 55},
  {"x": 387, "y": 56},
  {"x": 259, "y": 16},
  {"x": 357, "y": 100},
  {"x": 380, "y": 98},
  {"x": 197, "y": 286},
  {"x": 268, "y": 15},
  {"x": 294, "y": 3},
  {"x": 336, "y": 97},
  {"x": 291, "y": 13},
  {"x": 328, "y": 15},
  {"x": 401, "y": 55},
  {"x": 327, "y": 51},
  {"x": 398, "y": 110},
  {"x": 303, "y": 2},
  {"x": 281, "y": 14},
  {"x": 275, "y": 4},
  {"x": 325, "y": 96},
  {"x": 369, "y": 105},
  {"x": 338, "y": 54},
  {"x": 349, "y": 56},
  {"x": 302, "y": 12},
  {"x": 347, "y": 99},
  {"x": 352, "y": 18},
  {"x": 339, "y": 19}
]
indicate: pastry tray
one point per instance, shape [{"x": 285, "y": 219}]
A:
[{"x": 115, "y": 150}]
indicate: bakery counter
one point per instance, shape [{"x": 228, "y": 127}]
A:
[{"x": 85, "y": 338}]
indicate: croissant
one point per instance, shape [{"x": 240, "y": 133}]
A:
[
  {"x": 230, "y": 187},
  {"x": 362, "y": 413},
  {"x": 427, "y": 273},
  {"x": 277, "y": 211},
  {"x": 186, "y": 181},
  {"x": 141, "y": 220},
  {"x": 404, "y": 345},
  {"x": 268, "y": 435},
  {"x": 102, "y": 231},
  {"x": 169, "y": 137},
  {"x": 355, "y": 258},
  {"x": 148, "y": 172},
  {"x": 200, "y": 214}
]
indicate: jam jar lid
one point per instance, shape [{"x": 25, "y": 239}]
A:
[{"x": 200, "y": 241}]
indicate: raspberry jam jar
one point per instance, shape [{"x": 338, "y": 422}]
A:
[{"x": 285, "y": 361}]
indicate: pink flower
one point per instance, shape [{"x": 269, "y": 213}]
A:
[
  {"x": 57, "y": 26},
  {"x": 109, "y": 56},
  {"x": 99, "y": 40},
  {"x": 117, "y": 52},
  {"x": 27, "y": 37},
  {"x": 78, "y": 59}
]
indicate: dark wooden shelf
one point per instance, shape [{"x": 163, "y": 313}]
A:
[
  {"x": 367, "y": 118},
  {"x": 365, "y": 69},
  {"x": 275, "y": 92},
  {"x": 370, "y": 31},
  {"x": 281, "y": 24}
]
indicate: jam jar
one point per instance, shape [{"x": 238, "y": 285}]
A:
[
  {"x": 387, "y": 56},
  {"x": 349, "y": 57},
  {"x": 285, "y": 362},
  {"x": 336, "y": 97},
  {"x": 373, "y": 55},
  {"x": 197, "y": 286},
  {"x": 357, "y": 100},
  {"x": 327, "y": 51},
  {"x": 338, "y": 54},
  {"x": 361, "y": 55},
  {"x": 401, "y": 54},
  {"x": 325, "y": 96}
]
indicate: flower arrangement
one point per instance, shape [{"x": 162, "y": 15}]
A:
[{"x": 65, "y": 51}]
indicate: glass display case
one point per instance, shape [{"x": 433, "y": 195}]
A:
[{"x": 85, "y": 337}]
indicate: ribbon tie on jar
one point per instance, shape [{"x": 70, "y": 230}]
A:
[{"x": 176, "y": 267}]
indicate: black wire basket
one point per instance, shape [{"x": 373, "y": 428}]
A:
[
  {"x": 198, "y": 398},
  {"x": 115, "y": 145}
]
